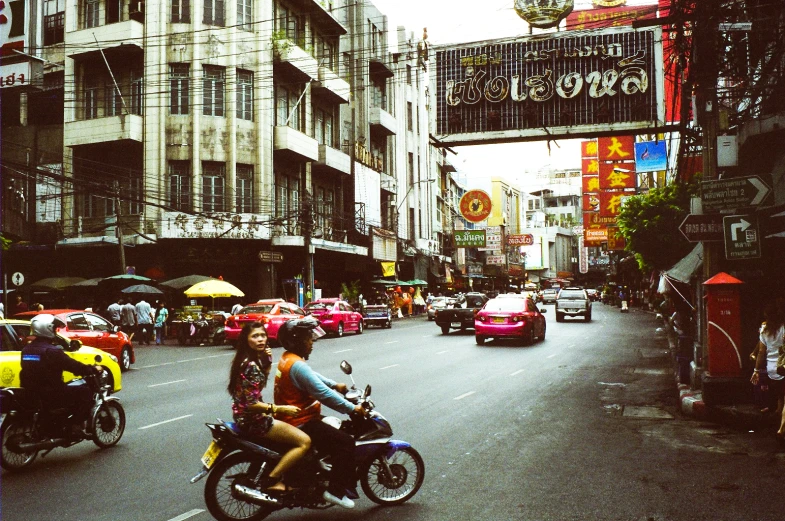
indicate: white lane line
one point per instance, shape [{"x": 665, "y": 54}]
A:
[
  {"x": 393, "y": 342},
  {"x": 551, "y": 356},
  {"x": 388, "y": 367},
  {"x": 341, "y": 351},
  {"x": 571, "y": 345},
  {"x": 464, "y": 395},
  {"x": 519, "y": 371},
  {"x": 165, "y": 421},
  {"x": 190, "y": 513},
  {"x": 186, "y": 360},
  {"x": 442, "y": 352},
  {"x": 166, "y": 383}
]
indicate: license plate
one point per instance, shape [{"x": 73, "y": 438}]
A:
[
  {"x": 455, "y": 324},
  {"x": 498, "y": 320},
  {"x": 211, "y": 454}
]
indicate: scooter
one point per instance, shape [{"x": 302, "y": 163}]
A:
[{"x": 624, "y": 307}]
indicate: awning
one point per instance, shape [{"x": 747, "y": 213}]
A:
[{"x": 688, "y": 266}]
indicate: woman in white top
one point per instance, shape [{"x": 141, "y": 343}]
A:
[{"x": 772, "y": 337}]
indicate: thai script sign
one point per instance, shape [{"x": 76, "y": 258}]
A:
[
  {"x": 470, "y": 239},
  {"x": 496, "y": 260},
  {"x": 178, "y": 225},
  {"x": 578, "y": 84},
  {"x": 613, "y": 17},
  {"x": 525, "y": 239},
  {"x": 493, "y": 239}
]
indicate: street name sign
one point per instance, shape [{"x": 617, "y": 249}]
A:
[
  {"x": 736, "y": 192},
  {"x": 270, "y": 256},
  {"x": 697, "y": 228},
  {"x": 470, "y": 239},
  {"x": 742, "y": 237}
]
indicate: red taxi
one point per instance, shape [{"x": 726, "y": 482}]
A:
[
  {"x": 271, "y": 312},
  {"x": 336, "y": 316},
  {"x": 92, "y": 330},
  {"x": 509, "y": 318}
]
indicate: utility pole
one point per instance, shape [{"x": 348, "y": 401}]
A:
[
  {"x": 307, "y": 224},
  {"x": 119, "y": 233}
]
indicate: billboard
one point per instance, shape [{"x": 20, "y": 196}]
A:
[{"x": 556, "y": 85}]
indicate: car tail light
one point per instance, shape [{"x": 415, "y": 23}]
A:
[
  {"x": 482, "y": 318},
  {"x": 518, "y": 318}
]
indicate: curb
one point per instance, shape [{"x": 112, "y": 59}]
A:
[{"x": 691, "y": 403}]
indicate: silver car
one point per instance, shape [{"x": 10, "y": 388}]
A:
[{"x": 439, "y": 303}]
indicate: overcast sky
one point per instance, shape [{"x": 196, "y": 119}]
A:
[{"x": 455, "y": 21}]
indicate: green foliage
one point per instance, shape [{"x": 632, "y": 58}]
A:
[
  {"x": 351, "y": 293},
  {"x": 650, "y": 225},
  {"x": 4, "y": 243}
]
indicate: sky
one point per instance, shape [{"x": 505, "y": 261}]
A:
[{"x": 455, "y": 21}]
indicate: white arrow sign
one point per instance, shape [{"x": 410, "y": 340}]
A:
[
  {"x": 763, "y": 190},
  {"x": 735, "y": 228}
]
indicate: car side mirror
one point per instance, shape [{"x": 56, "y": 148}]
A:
[
  {"x": 115, "y": 329},
  {"x": 74, "y": 345},
  {"x": 346, "y": 367}
]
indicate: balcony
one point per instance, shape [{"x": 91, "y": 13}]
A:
[
  {"x": 388, "y": 183},
  {"x": 294, "y": 144},
  {"x": 127, "y": 127},
  {"x": 321, "y": 15},
  {"x": 331, "y": 87},
  {"x": 293, "y": 59},
  {"x": 118, "y": 40},
  {"x": 334, "y": 160},
  {"x": 379, "y": 68},
  {"x": 382, "y": 121}
]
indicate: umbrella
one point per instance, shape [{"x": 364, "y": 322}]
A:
[
  {"x": 142, "y": 289},
  {"x": 388, "y": 282},
  {"x": 126, "y": 276},
  {"x": 213, "y": 288},
  {"x": 89, "y": 283},
  {"x": 186, "y": 282},
  {"x": 55, "y": 283},
  {"x": 414, "y": 282}
]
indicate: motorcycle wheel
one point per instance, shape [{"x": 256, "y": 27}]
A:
[
  {"x": 408, "y": 473},
  {"x": 218, "y": 491},
  {"x": 15, "y": 432},
  {"x": 108, "y": 424}
]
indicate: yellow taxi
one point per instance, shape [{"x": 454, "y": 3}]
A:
[{"x": 14, "y": 334}]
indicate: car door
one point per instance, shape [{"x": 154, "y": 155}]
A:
[
  {"x": 107, "y": 340},
  {"x": 349, "y": 320},
  {"x": 79, "y": 328}
]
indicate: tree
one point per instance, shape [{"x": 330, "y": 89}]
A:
[{"x": 650, "y": 223}]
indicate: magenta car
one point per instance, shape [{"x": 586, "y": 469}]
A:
[
  {"x": 336, "y": 316},
  {"x": 509, "y": 318}
]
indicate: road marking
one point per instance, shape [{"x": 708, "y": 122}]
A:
[
  {"x": 464, "y": 395},
  {"x": 551, "y": 356},
  {"x": 341, "y": 351},
  {"x": 442, "y": 352},
  {"x": 519, "y": 371},
  {"x": 388, "y": 367},
  {"x": 186, "y": 360},
  {"x": 166, "y": 383},
  {"x": 190, "y": 513},
  {"x": 571, "y": 345},
  {"x": 165, "y": 421},
  {"x": 393, "y": 342}
]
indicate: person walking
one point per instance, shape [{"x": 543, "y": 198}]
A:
[
  {"x": 144, "y": 320},
  {"x": 161, "y": 315},
  {"x": 127, "y": 318},
  {"x": 114, "y": 311},
  {"x": 19, "y": 306},
  {"x": 770, "y": 342}
]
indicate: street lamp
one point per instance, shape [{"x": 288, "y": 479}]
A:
[{"x": 405, "y": 197}]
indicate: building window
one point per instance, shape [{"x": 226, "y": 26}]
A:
[
  {"x": 213, "y": 85},
  {"x": 244, "y": 189},
  {"x": 134, "y": 192},
  {"x": 178, "y": 83},
  {"x": 91, "y": 13},
  {"x": 181, "y": 11},
  {"x": 245, "y": 14},
  {"x": 409, "y": 116},
  {"x": 325, "y": 51},
  {"x": 214, "y": 13},
  {"x": 136, "y": 94},
  {"x": 91, "y": 102},
  {"x": 53, "y": 28},
  {"x": 114, "y": 9},
  {"x": 290, "y": 25},
  {"x": 408, "y": 74},
  {"x": 114, "y": 101},
  {"x": 410, "y": 169},
  {"x": 323, "y": 126},
  {"x": 245, "y": 95},
  {"x": 287, "y": 201},
  {"x": 180, "y": 185},
  {"x": 213, "y": 178},
  {"x": 288, "y": 106}
]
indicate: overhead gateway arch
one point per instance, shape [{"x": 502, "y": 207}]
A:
[{"x": 555, "y": 86}]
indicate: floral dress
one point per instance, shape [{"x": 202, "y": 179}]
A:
[{"x": 248, "y": 392}]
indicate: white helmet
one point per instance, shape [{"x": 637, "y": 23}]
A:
[{"x": 45, "y": 325}]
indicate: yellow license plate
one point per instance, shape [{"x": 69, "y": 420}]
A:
[
  {"x": 211, "y": 454},
  {"x": 498, "y": 320}
]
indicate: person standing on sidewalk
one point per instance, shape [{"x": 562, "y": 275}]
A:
[
  {"x": 771, "y": 339},
  {"x": 127, "y": 318},
  {"x": 114, "y": 310},
  {"x": 144, "y": 320},
  {"x": 161, "y": 315}
]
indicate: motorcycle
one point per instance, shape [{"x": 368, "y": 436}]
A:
[
  {"x": 390, "y": 471},
  {"x": 29, "y": 427}
]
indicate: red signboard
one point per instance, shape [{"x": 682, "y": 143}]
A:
[
  {"x": 617, "y": 176},
  {"x": 610, "y": 202},
  {"x": 475, "y": 206},
  {"x": 616, "y": 148},
  {"x": 616, "y": 241},
  {"x": 591, "y": 203},
  {"x": 590, "y": 166},
  {"x": 591, "y": 219},
  {"x": 591, "y": 184},
  {"x": 595, "y": 236},
  {"x": 613, "y": 17},
  {"x": 525, "y": 239},
  {"x": 589, "y": 148}
]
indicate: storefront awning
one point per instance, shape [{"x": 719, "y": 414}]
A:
[{"x": 687, "y": 266}]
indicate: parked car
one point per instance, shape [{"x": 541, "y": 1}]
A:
[
  {"x": 270, "y": 312},
  {"x": 336, "y": 316},
  {"x": 14, "y": 334},
  {"x": 438, "y": 303},
  {"x": 573, "y": 302},
  {"x": 377, "y": 315},
  {"x": 549, "y": 295},
  {"x": 594, "y": 295},
  {"x": 509, "y": 318},
  {"x": 461, "y": 314},
  {"x": 92, "y": 330}
]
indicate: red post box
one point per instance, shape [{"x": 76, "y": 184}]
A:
[{"x": 723, "y": 316}]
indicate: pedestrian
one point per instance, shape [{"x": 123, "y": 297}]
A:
[
  {"x": 114, "y": 311},
  {"x": 236, "y": 308},
  {"x": 127, "y": 318},
  {"x": 19, "y": 306},
  {"x": 144, "y": 320},
  {"x": 770, "y": 341},
  {"x": 161, "y": 315}
]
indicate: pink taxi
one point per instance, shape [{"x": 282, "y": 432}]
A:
[
  {"x": 501, "y": 318},
  {"x": 336, "y": 316}
]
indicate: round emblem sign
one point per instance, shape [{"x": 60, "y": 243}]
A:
[{"x": 475, "y": 206}]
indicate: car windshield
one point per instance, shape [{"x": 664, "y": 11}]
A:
[
  {"x": 259, "y": 308},
  {"x": 572, "y": 294},
  {"x": 549, "y": 290},
  {"x": 314, "y": 306},
  {"x": 504, "y": 304}
]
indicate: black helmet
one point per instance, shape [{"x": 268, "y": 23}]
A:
[{"x": 293, "y": 332}]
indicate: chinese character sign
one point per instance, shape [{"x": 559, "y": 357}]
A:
[
  {"x": 591, "y": 184},
  {"x": 617, "y": 176},
  {"x": 616, "y": 148},
  {"x": 589, "y": 149},
  {"x": 611, "y": 202}
]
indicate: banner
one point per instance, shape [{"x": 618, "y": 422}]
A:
[
  {"x": 651, "y": 156},
  {"x": 388, "y": 269},
  {"x": 469, "y": 238}
]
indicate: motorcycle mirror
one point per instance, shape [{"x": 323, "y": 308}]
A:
[
  {"x": 98, "y": 359},
  {"x": 74, "y": 345},
  {"x": 346, "y": 367},
  {"x": 367, "y": 390}
]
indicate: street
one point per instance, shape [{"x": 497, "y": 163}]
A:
[{"x": 582, "y": 426}]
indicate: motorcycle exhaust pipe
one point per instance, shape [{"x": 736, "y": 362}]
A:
[
  {"x": 254, "y": 496},
  {"x": 41, "y": 445}
]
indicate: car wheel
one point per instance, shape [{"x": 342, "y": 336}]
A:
[
  {"x": 445, "y": 330},
  {"x": 542, "y": 336},
  {"x": 339, "y": 332},
  {"x": 125, "y": 359},
  {"x": 479, "y": 339},
  {"x": 528, "y": 338},
  {"x": 588, "y": 317},
  {"x": 360, "y": 327},
  {"x": 388, "y": 325}
]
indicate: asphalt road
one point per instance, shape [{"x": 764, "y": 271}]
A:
[{"x": 582, "y": 426}]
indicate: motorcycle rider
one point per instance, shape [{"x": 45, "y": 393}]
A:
[
  {"x": 43, "y": 363},
  {"x": 299, "y": 385}
]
